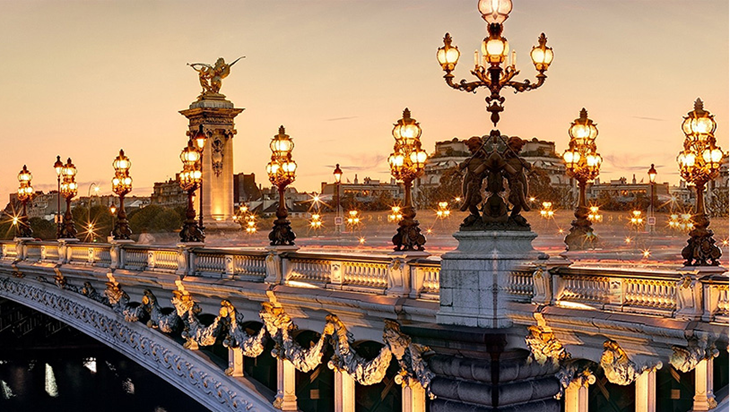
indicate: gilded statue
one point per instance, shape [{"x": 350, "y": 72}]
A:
[{"x": 211, "y": 77}]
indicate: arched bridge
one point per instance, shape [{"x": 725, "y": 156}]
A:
[{"x": 282, "y": 329}]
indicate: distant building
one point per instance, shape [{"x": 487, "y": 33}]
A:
[
  {"x": 365, "y": 192},
  {"x": 539, "y": 153},
  {"x": 245, "y": 188},
  {"x": 169, "y": 193},
  {"x": 625, "y": 192}
]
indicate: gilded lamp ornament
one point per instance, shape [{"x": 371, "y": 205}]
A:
[
  {"x": 490, "y": 69},
  {"x": 699, "y": 163},
  {"x": 407, "y": 162},
  {"x": 282, "y": 172},
  {"x": 69, "y": 189},
  {"x": 190, "y": 179},
  {"x": 582, "y": 162},
  {"x": 121, "y": 185},
  {"x": 25, "y": 194}
]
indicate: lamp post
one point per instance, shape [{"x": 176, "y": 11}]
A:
[
  {"x": 488, "y": 68},
  {"x": 59, "y": 169},
  {"x": 281, "y": 170},
  {"x": 338, "y": 212},
  {"x": 69, "y": 189},
  {"x": 699, "y": 163},
  {"x": 25, "y": 193},
  {"x": 89, "y": 223},
  {"x": 407, "y": 163},
  {"x": 189, "y": 181},
  {"x": 121, "y": 185},
  {"x": 199, "y": 139},
  {"x": 582, "y": 162},
  {"x": 651, "y": 221}
]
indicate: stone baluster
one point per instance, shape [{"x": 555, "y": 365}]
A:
[
  {"x": 286, "y": 398},
  {"x": 345, "y": 392},
  {"x": 704, "y": 399},
  {"x": 413, "y": 398},
  {"x": 21, "y": 250},
  {"x": 646, "y": 391}
]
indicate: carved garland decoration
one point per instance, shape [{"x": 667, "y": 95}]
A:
[
  {"x": 186, "y": 372},
  {"x": 277, "y": 325}
]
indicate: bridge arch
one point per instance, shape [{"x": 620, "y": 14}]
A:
[{"x": 185, "y": 369}]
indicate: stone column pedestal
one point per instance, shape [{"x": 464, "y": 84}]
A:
[
  {"x": 216, "y": 114},
  {"x": 474, "y": 277}
]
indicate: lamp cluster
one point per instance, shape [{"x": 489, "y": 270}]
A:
[
  {"x": 701, "y": 157},
  {"x": 282, "y": 172},
  {"x": 191, "y": 179},
  {"x": 699, "y": 162},
  {"x": 582, "y": 161},
  {"x": 407, "y": 162},
  {"x": 25, "y": 193},
  {"x": 495, "y": 49},
  {"x": 281, "y": 169},
  {"x": 121, "y": 185},
  {"x": 191, "y": 174}
]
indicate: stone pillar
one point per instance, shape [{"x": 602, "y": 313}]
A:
[
  {"x": 216, "y": 114},
  {"x": 646, "y": 391},
  {"x": 413, "y": 398},
  {"x": 286, "y": 398},
  {"x": 576, "y": 397},
  {"x": 345, "y": 392},
  {"x": 235, "y": 362},
  {"x": 474, "y": 278},
  {"x": 704, "y": 399}
]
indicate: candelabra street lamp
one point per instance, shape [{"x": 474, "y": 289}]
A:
[
  {"x": 189, "y": 180},
  {"x": 281, "y": 170},
  {"x": 69, "y": 189},
  {"x": 59, "y": 169},
  {"x": 199, "y": 139},
  {"x": 25, "y": 193},
  {"x": 121, "y": 185},
  {"x": 652, "y": 186},
  {"x": 699, "y": 163},
  {"x": 582, "y": 162},
  {"x": 488, "y": 68},
  {"x": 338, "y": 209},
  {"x": 407, "y": 163}
]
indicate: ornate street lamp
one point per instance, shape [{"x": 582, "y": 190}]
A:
[
  {"x": 281, "y": 170},
  {"x": 189, "y": 180},
  {"x": 69, "y": 189},
  {"x": 488, "y": 69},
  {"x": 699, "y": 163},
  {"x": 59, "y": 169},
  {"x": 338, "y": 213},
  {"x": 25, "y": 193},
  {"x": 121, "y": 185},
  {"x": 407, "y": 162},
  {"x": 199, "y": 139},
  {"x": 652, "y": 186},
  {"x": 582, "y": 162}
]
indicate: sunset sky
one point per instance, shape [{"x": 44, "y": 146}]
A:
[{"x": 86, "y": 78}]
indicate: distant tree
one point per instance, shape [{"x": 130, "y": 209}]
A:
[
  {"x": 42, "y": 228},
  {"x": 155, "y": 219}
]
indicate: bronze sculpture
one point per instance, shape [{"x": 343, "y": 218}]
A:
[{"x": 501, "y": 163}]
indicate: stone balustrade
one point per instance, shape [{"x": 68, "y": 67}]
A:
[{"x": 668, "y": 293}]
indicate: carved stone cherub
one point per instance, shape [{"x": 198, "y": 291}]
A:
[
  {"x": 471, "y": 186},
  {"x": 517, "y": 181}
]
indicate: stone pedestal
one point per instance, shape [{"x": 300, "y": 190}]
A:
[
  {"x": 216, "y": 114},
  {"x": 474, "y": 277}
]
